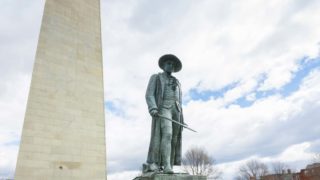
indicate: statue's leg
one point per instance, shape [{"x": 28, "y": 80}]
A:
[
  {"x": 156, "y": 144},
  {"x": 154, "y": 159},
  {"x": 166, "y": 137},
  {"x": 175, "y": 132}
]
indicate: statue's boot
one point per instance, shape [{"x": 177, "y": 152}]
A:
[
  {"x": 153, "y": 167},
  {"x": 167, "y": 170}
]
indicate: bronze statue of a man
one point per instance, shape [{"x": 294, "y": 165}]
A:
[{"x": 163, "y": 97}]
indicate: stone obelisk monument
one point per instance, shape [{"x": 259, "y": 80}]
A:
[{"x": 63, "y": 135}]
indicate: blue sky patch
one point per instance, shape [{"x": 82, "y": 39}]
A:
[
  {"x": 195, "y": 94},
  {"x": 114, "y": 108},
  {"x": 13, "y": 143},
  {"x": 243, "y": 102},
  {"x": 306, "y": 65}
]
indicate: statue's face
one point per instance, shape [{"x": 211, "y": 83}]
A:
[{"x": 168, "y": 66}]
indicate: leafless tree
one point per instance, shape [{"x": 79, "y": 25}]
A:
[
  {"x": 279, "y": 167},
  {"x": 252, "y": 169},
  {"x": 197, "y": 161}
]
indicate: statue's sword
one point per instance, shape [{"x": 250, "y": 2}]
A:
[{"x": 183, "y": 125}]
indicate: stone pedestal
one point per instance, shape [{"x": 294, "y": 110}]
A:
[{"x": 176, "y": 176}]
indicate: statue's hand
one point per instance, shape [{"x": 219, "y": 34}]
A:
[{"x": 154, "y": 112}]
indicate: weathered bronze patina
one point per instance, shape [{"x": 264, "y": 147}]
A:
[{"x": 164, "y": 100}]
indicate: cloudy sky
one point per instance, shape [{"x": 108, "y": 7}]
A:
[{"x": 250, "y": 77}]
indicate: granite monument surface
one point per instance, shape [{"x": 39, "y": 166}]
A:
[{"x": 63, "y": 135}]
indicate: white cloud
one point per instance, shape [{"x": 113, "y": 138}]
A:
[
  {"x": 297, "y": 152},
  {"x": 270, "y": 129},
  {"x": 8, "y": 156},
  {"x": 251, "y": 97},
  {"x": 124, "y": 175},
  {"x": 253, "y": 44},
  {"x": 19, "y": 29},
  {"x": 296, "y": 157},
  {"x": 127, "y": 142},
  {"x": 219, "y": 42}
]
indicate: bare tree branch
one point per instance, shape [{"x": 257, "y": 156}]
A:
[
  {"x": 252, "y": 169},
  {"x": 197, "y": 161},
  {"x": 279, "y": 167}
]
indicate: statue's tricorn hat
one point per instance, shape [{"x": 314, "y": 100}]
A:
[{"x": 170, "y": 57}]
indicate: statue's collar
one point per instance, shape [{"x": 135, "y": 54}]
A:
[{"x": 164, "y": 74}]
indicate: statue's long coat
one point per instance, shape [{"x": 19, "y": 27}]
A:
[{"x": 154, "y": 98}]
